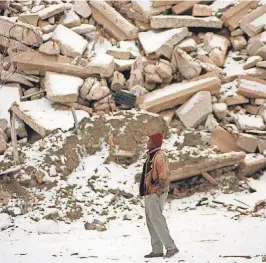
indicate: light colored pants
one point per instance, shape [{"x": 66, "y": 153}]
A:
[{"x": 156, "y": 223}]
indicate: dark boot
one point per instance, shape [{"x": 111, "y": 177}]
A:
[
  {"x": 154, "y": 255},
  {"x": 171, "y": 253}
]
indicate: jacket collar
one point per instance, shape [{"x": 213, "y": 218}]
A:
[{"x": 153, "y": 150}]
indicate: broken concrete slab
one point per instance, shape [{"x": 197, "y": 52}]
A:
[
  {"x": 118, "y": 81},
  {"x": 237, "y": 32},
  {"x": 195, "y": 110},
  {"x": 42, "y": 117},
  {"x": 224, "y": 140},
  {"x": 156, "y": 3},
  {"x": 249, "y": 122},
  {"x": 157, "y": 43},
  {"x": 168, "y": 116},
  {"x": 247, "y": 142},
  {"x": 238, "y": 42},
  {"x": 201, "y": 10},
  {"x": 185, "y": 64},
  {"x": 84, "y": 29},
  {"x": 13, "y": 44},
  {"x": 98, "y": 92},
  {"x": 262, "y": 145},
  {"x": 102, "y": 64},
  {"x": 213, "y": 162},
  {"x": 145, "y": 8},
  {"x": 51, "y": 11},
  {"x": 251, "y": 87},
  {"x": 119, "y": 53},
  {"x": 183, "y": 6},
  {"x": 252, "y": 164},
  {"x": 73, "y": 48},
  {"x": 62, "y": 88},
  {"x": 261, "y": 64},
  {"x": 171, "y": 21},
  {"x": 217, "y": 47},
  {"x": 211, "y": 123},
  {"x": 178, "y": 93},
  {"x": 220, "y": 110},
  {"x": 39, "y": 63},
  {"x": 252, "y": 61},
  {"x": 112, "y": 21},
  {"x": 124, "y": 64},
  {"x": 188, "y": 45},
  {"x": 233, "y": 16},
  {"x": 31, "y": 19},
  {"x": 13, "y": 77},
  {"x": 164, "y": 69},
  {"x": 50, "y": 48},
  {"x": 82, "y": 8},
  {"x": 21, "y": 32},
  {"x": 70, "y": 19},
  {"x": 254, "y": 22}
]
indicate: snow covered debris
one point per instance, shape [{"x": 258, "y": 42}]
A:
[
  {"x": 47, "y": 227},
  {"x": 62, "y": 88},
  {"x": 5, "y": 221},
  {"x": 44, "y": 118},
  {"x": 73, "y": 48}
]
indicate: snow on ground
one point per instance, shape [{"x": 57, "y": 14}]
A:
[{"x": 202, "y": 235}]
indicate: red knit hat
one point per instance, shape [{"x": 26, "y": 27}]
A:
[{"x": 157, "y": 139}]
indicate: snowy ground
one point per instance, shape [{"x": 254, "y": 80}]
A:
[{"x": 202, "y": 235}]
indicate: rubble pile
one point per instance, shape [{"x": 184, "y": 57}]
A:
[{"x": 198, "y": 64}]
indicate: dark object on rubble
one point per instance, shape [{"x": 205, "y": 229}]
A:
[{"x": 125, "y": 98}]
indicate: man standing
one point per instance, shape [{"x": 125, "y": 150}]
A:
[{"x": 154, "y": 185}]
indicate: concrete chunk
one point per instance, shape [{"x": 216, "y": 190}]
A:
[
  {"x": 156, "y": 3},
  {"x": 185, "y": 64},
  {"x": 84, "y": 29},
  {"x": 262, "y": 145},
  {"x": 178, "y": 93},
  {"x": 195, "y": 110},
  {"x": 82, "y": 8},
  {"x": 122, "y": 64},
  {"x": 40, "y": 63},
  {"x": 183, "y": 6},
  {"x": 70, "y": 19},
  {"x": 251, "y": 62},
  {"x": 42, "y": 117},
  {"x": 254, "y": 22},
  {"x": 261, "y": 64},
  {"x": 164, "y": 69},
  {"x": 101, "y": 64},
  {"x": 145, "y": 8},
  {"x": 247, "y": 142},
  {"x": 252, "y": 164},
  {"x": 73, "y": 48},
  {"x": 171, "y": 21},
  {"x": 62, "y": 88},
  {"x": 158, "y": 43},
  {"x": 211, "y": 123},
  {"x": 188, "y": 45},
  {"x": 251, "y": 87},
  {"x": 112, "y": 21},
  {"x": 217, "y": 47},
  {"x": 119, "y": 53},
  {"x": 21, "y": 32},
  {"x": 50, "y": 48},
  {"x": 201, "y": 10},
  {"x": 51, "y": 11},
  {"x": 31, "y": 19},
  {"x": 238, "y": 42},
  {"x": 249, "y": 122},
  {"x": 220, "y": 110},
  {"x": 233, "y": 16},
  {"x": 224, "y": 140}
]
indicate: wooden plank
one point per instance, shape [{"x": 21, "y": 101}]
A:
[{"x": 209, "y": 178}]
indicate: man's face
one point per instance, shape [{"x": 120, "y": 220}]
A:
[{"x": 150, "y": 144}]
